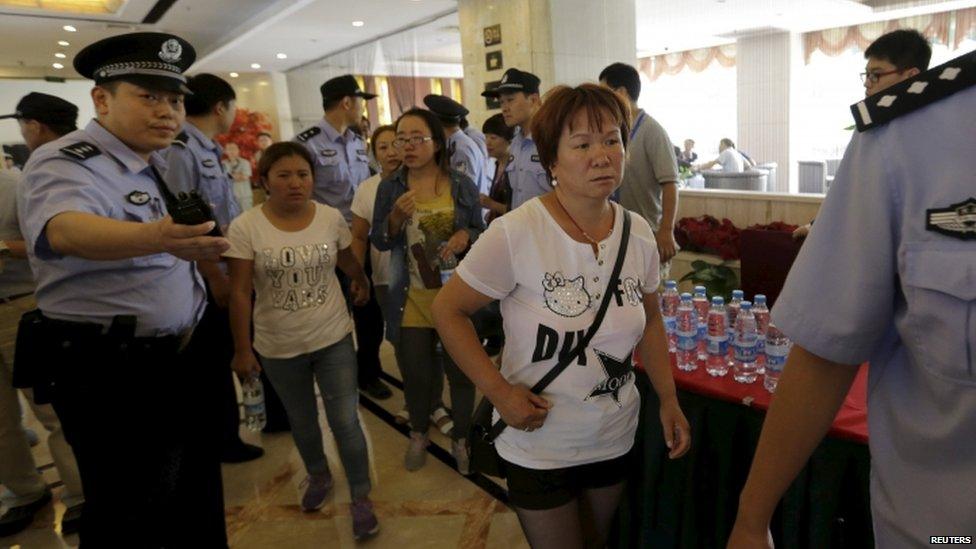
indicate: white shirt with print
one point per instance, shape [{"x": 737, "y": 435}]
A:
[
  {"x": 550, "y": 287},
  {"x": 299, "y": 306},
  {"x": 363, "y": 203}
]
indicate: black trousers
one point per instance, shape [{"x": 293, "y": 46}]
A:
[{"x": 140, "y": 415}]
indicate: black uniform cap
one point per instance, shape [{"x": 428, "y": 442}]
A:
[
  {"x": 342, "y": 86},
  {"x": 513, "y": 81},
  {"x": 445, "y": 107},
  {"x": 46, "y": 109},
  {"x": 152, "y": 60}
]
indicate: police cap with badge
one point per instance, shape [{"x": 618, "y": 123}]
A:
[
  {"x": 447, "y": 109},
  {"x": 343, "y": 86},
  {"x": 513, "y": 81},
  {"x": 46, "y": 109},
  {"x": 152, "y": 60}
]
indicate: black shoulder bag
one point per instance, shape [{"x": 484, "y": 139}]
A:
[{"x": 481, "y": 440}]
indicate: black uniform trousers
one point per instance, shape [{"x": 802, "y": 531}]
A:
[{"x": 139, "y": 414}]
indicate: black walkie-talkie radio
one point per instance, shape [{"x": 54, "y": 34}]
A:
[{"x": 191, "y": 209}]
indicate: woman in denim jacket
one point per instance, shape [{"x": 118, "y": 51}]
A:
[{"x": 427, "y": 215}]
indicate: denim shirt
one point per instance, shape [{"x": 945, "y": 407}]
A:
[{"x": 467, "y": 215}]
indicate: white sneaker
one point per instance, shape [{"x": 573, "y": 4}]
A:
[
  {"x": 459, "y": 449},
  {"x": 416, "y": 455}
]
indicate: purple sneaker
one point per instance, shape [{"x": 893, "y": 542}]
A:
[
  {"x": 364, "y": 523},
  {"x": 316, "y": 488}
]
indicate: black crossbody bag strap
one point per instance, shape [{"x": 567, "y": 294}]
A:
[{"x": 569, "y": 358}]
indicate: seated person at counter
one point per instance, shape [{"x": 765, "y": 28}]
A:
[
  {"x": 729, "y": 158},
  {"x": 688, "y": 155}
]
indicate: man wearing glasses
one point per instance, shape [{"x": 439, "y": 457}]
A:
[{"x": 892, "y": 58}]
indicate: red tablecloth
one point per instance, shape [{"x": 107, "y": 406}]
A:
[{"x": 851, "y": 422}]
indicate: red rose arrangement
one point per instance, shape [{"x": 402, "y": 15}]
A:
[{"x": 708, "y": 235}]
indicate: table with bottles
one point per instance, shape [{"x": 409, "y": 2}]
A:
[{"x": 724, "y": 389}]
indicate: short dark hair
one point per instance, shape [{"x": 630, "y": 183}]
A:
[
  {"x": 208, "y": 91},
  {"x": 904, "y": 48},
  {"x": 560, "y": 106},
  {"x": 463, "y": 124},
  {"x": 727, "y": 142},
  {"x": 376, "y": 134},
  {"x": 60, "y": 129},
  {"x": 436, "y": 133},
  {"x": 330, "y": 103},
  {"x": 495, "y": 125},
  {"x": 622, "y": 75},
  {"x": 280, "y": 150}
]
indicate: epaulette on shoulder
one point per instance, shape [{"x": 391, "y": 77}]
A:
[
  {"x": 81, "y": 150},
  {"x": 923, "y": 89},
  {"x": 308, "y": 134},
  {"x": 181, "y": 139}
]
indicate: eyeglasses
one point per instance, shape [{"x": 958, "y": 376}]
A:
[
  {"x": 416, "y": 141},
  {"x": 873, "y": 77}
]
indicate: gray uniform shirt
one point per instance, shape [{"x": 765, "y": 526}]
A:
[
  {"x": 15, "y": 277},
  {"x": 650, "y": 164}
]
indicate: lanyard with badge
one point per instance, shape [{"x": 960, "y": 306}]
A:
[{"x": 633, "y": 131}]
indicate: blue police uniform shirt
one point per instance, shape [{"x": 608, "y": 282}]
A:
[
  {"x": 92, "y": 171},
  {"x": 466, "y": 158},
  {"x": 194, "y": 165},
  {"x": 525, "y": 173},
  {"x": 875, "y": 282},
  {"x": 478, "y": 138},
  {"x": 341, "y": 164}
]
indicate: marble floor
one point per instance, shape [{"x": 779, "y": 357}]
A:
[{"x": 431, "y": 508}]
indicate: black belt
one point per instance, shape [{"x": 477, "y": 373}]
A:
[{"x": 66, "y": 330}]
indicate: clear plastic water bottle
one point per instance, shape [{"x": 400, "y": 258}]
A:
[
  {"x": 254, "y": 413},
  {"x": 777, "y": 349},
  {"x": 733, "y": 311},
  {"x": 717, "y": 363},
  {"x": 761, "y": 312},
  {"x": 669, "y": 311},
  {"x": 700, "y": 302},
  {"x": 744, "y": 368},
  {"x": 447, "y": 265},
  {"x": 687, "y": 331}
]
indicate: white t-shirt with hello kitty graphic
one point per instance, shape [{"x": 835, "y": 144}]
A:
[{"x": 550, "y": 288}]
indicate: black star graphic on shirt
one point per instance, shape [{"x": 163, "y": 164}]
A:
[{"x": 619, "y": 373}]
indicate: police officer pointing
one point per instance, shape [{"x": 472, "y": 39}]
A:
[
  {"x": 119, "y": 298},
  {"x": 464, "y": 153}
]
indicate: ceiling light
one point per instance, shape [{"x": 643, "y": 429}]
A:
[
  {"x": 63, "y": 43},
  {"x": 234, "y": 75},
  {"x": 255, "y": 65},
  {"x": 263, "y": 83},
  {"x": 282, "y": 56},
  {"x": 69, "y": 28},
  {"x": 358, "y": 23},
  {"x": 60, "y": 55},
  {"x": 57, "y": 65}
]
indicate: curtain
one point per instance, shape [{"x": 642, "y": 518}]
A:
[
  {"x": 935, "y": 27},
  {"x": 695, "y": 60}
]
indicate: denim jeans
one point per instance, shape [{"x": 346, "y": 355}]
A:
[{"x": 333, "y": 368}]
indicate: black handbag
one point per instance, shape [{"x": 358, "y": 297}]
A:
[{"x": 481, "y": 439}]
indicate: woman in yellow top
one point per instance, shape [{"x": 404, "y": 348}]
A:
[{"x": 427, "y": 215}]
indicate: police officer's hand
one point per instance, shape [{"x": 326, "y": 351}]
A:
[
  {"x": 189, "y": 242},
  {"x": 521, "y": 408},
  {"x": 667, "y": 246},
  {"x": 245, "y": 364},
  {"x": 359, "y": 289},
  {"x": 403, "y": 208}
]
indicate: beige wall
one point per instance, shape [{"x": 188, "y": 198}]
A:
[
  {"x": 746, "y": 208},
  {"x": 267, "y": 93}
]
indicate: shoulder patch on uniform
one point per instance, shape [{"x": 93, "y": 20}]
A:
[
  {"x": 81, "y": 150},
  {"x": 329, "y": 152},
  {"x": 209, "y": 163},
  {"x": 957, "y": 220},
  {"x": 923, "y": 89},
  {"x": 308, "y": 134},
  {"x": 181, "y": 139}
]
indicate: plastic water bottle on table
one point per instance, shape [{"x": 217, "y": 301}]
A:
[
  {"x": 733, "y": 311},
  {"x": 744, "y": 367},
  {"x": 669, "y": 311},
  {"x": 687, "y": 331},
  {"x": 777, "y": 349},
  {"x": 761, "y": 312},
  {"x": 700, "y": 302},
  {"x": 717, "y": 363}
]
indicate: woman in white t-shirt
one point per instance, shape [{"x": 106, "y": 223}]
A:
[
  {"x": 287, "y": 250},
  {"x": 548, "y": 263}
]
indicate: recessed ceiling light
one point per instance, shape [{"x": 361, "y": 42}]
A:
[
  {"x": 263, "y": 83},
  {"x": 63, "y": 43},
  {"x": 255, "y": 65},
  {"x": 245, "y": 89},
  {"x": 282, "y": 56},
  {"x": 234, "y": 75},
  {"x": 57, "y": 65},
  {"x": 60, "y": 55},
  {"x": 358, "y": 23},
  {"x": 69, "y": 28}
]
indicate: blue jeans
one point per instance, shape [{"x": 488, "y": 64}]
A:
[{"x": 334, "y": 369}]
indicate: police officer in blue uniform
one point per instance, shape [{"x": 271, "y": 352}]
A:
[
  {"x": 194, "y": 165},
  {"x": 888, "y": 276},
  {"x": 518, "y": 93},
  {"x": 475, "y": 134},
  {"x": 118, "y": 298},
  {"x": 341, "y": 164},
  {"x": 464, "y": 153}
]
